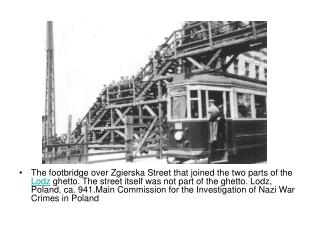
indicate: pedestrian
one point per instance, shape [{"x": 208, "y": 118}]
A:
[{"x": 213, "y": 127}]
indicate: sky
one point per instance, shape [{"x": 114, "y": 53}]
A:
[
  {"x": 95, "y": 45},
  {"x": 89, "y": 54}
]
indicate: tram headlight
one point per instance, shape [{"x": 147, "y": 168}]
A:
[{"x": 178, "y": 135}]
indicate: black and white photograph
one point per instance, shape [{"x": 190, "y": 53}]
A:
[
  {"x": 199, "y": 97},
  {"x": 160, "y": 120}
]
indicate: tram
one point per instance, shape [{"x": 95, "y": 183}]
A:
[{"x": 242, "y": 127}]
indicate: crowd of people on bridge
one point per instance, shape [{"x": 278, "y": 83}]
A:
[
  {"x": 192, "y": 31},
  {"x": 199, "y": 30}
]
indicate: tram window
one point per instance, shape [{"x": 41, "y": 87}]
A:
[
  {"x": 244, "y": 105},
  {"x": 194, "y": 109},
  {"x": 194, "y": 93},
  {"x": 217, "y": 96},
  {"x": 261, "y": 106},
  {"x": 204, "y": 103},
  {"x": 179, "y": 107},
  {"x": 228, "y": 104}
]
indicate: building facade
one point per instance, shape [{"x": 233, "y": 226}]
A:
[{"x": 251, "y": 64}]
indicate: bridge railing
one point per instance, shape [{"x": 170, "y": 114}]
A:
[
  {"x": 201, "y": 34},
  {"x": 151, "y": 139}
]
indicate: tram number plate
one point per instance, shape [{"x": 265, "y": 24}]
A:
[{"x": 178, "y": 126}]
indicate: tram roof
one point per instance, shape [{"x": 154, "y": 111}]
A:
[{"x": 220, "y": 79}]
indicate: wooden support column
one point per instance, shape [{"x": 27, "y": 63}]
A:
[
  {"x": 140, "y": 114},
  {"x": 154, "y": 67},
  {"x": 142, "y": 142},
  {"x": 69, "y": 136},
  {"x": 107, "y": 96},
  {"x": 94, "y": 136},
  {"x": 86, "y": 142},
  {"x": 89, "y": 119},
  {"x": 159, "y": 120},
  {"x": 129, "y": 138},
  {"x": 133, "y": 91},
  {"x": 254, "y": 29},
  {"x": 175, "y": 44},
  {"x": 112, "y": 123},
  {"x": 210, "y": 33}
]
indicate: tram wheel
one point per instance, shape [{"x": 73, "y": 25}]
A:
[
  {"x": 170, "y": 161},
  {"x": 174, "y": 161}
]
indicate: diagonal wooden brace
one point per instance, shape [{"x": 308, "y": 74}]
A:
[
  {"x": 214, "y": 57},
  {"x": 227, "y": 65}
]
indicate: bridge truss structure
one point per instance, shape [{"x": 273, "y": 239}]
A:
[{"x": 197, "y": 48}]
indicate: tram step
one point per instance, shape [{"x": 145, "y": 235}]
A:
[{"x": 222, "y": 161}]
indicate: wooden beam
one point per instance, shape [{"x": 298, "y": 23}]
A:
[
  {"x": 114, "y": 124},
  {"x": 227, "y": 65},
  {"x": 244, "y": 40},
  {"x": 104, "y": 136},
  {"x": 150, "y": 111},
  {"x": 120, "y": 133},
  {"x": 210, "y": 33},
  {"x": 136, "y": 136},
  {"x": 149, "y": 85},
  {"x": 194, "y": 62},
  {"x": 133, "y": 90},
  {"x": 169, "y": 76},
  {"x": 69, "y": 135},
  {"x": 108, "y": 128},
  {"x": 254, "y": 29},
  {"x": 99, "y": 118},
  {"x": 160, "y": 116},
  {"x": 145, "y": 137},
  {"x": 107, "y": 93},
  {"x": 168, "y": 64},
  {"x": 120, "y": 115},
  {"x": 140, "y": 114},
  {"x": 129, "y": 138},
  {"x": 86, "y": 140},
  {"x": 214, "y": 57}
]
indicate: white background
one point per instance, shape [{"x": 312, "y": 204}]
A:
[{"x": 293, "y": 119}]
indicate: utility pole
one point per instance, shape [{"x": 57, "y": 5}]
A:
[{"x": 50, "y": 116}]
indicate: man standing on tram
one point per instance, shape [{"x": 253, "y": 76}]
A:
[{"x": 213, "y": 126}]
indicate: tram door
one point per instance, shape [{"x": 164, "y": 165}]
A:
[{"x": 218, "y": 96}]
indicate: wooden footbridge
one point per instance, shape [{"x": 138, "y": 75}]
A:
[{"x": 130, "y": 115}]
